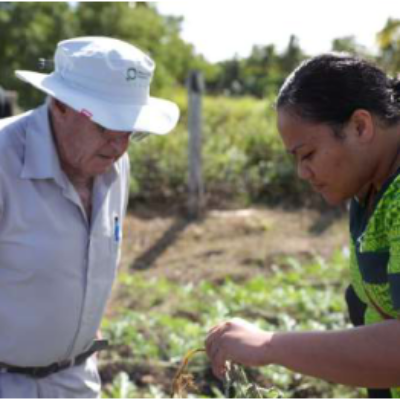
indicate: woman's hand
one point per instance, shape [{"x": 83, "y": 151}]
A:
[{"x": 240, "y": 342}]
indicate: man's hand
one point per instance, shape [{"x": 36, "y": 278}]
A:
[{"x": 240, "y": 342}]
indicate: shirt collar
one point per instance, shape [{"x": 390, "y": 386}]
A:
[{"x": 41, "y": 158}]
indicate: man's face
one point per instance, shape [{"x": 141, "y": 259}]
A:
[{"x": 85, "y": 148}]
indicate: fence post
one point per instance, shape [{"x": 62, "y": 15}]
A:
[
  {"x": 8, "y": 103},
  {"x": 196, "y": 189}
]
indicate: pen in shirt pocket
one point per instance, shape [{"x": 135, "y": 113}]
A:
[{"x": 117, "y": 229}]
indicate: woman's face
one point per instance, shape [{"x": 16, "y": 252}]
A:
[{"x": 334, "y": 167}]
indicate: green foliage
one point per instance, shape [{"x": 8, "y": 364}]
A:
[
  {"x": 122, "y": 387},
  {"x": 236, "y": 380},
  {"x": 142, "y": 25},
  {"x": 166, "y": 320},
  {"x": 389, "y": 43},
  {"x": 349, "y": 44},
  {"x": 30, "y": 31},
  {"x": 243, "y": 157},
  {"x": 259, "y": 75}
]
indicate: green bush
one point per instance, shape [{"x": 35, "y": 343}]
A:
[{"x": 243, "y": 158}]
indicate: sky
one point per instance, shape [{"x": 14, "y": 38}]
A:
[{"x": 221, "y": 29}]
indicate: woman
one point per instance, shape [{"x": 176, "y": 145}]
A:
[{"x": 339, "y": 116}]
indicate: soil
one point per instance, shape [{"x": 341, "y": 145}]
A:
[{"x": 236, "y": 243}]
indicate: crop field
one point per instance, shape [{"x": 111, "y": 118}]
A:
[{"x": 279, "y": 269}]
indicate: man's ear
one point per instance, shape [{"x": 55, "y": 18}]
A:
[{"x": 362, "y": 126}]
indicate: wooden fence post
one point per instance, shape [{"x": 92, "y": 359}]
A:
[
  {"x": 13, "y": 99},
  {"x": 8, "y": 103},
  {"x": 195, "y": 184}
]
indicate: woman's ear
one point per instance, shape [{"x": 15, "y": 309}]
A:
[{"x": 362, "y": 126}]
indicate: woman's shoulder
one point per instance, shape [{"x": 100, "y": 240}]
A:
[
  {"x": 389, "y": 204},
  {"x": 392, "y": 191}
]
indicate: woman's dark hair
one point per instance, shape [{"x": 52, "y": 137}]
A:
[{"x": 330, "y": 87}]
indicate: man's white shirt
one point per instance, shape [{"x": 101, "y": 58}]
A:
[{"x": 56, "y": 268}]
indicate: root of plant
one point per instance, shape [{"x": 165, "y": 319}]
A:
[
  {"x": 183, "y": 381},
  {"x": 235, "y": 380}
]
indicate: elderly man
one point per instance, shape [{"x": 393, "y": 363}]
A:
[{"x": 64, "y": 179}]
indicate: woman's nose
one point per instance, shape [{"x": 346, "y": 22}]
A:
[{"x": 304, "y": 171}]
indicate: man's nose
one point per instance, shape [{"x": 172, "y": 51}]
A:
[{"x": 119, "y": 144}]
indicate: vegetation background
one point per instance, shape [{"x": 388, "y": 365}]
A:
[{"x": 180, "y": 277}]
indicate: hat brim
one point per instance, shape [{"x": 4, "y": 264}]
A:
[{"x": 157, "y": 116}]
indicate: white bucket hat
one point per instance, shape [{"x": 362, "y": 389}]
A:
[{"x": 108, "y": 81}]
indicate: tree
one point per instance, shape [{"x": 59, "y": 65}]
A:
[
  {"x": 30, "y": 31},
  {"x": 142, "y": 25},
  {"x": 292, "y": 56},
  {"x": 259, "y": 75},
  {"x": 229, "y": 79},
  {"x": 348, "y": 44},
  {"x": 389, "y": 46}
]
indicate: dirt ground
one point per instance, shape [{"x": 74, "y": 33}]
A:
[{"x": 236, "y": 243}]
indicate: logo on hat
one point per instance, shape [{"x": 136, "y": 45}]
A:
[
  {"x": 131, "y": 74},
  {"x": 86, "y": 113}
]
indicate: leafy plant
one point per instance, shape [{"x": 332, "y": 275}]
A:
[
  {"x": 150, "y": 336},
  {"x": 237, "y": 381},
  {"x": 122, "y": 387}
]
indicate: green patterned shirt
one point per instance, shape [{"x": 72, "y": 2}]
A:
[{"x": 375, "y": 254}]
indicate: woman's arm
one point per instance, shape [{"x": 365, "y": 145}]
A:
[{"x": 367, "y": 356}]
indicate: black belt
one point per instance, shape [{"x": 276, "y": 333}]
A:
[{"x": 42, "y": 372}]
